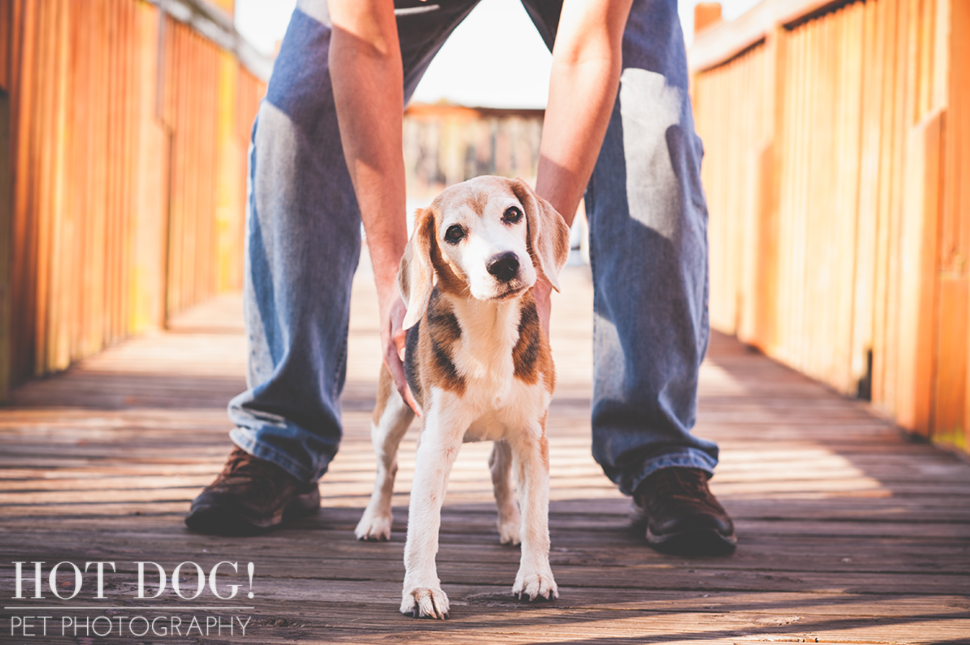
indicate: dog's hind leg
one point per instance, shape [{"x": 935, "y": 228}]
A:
[
  {"x": 509, "y": 522},
  {"x": 392, "y": 416}
]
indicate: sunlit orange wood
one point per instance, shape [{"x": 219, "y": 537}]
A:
[
  {"x": 872, "y": 230},
  {"x": 108, "y": 231}
]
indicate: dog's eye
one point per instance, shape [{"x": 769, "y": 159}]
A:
[
  {"x": 454, "y": 234},
  {"x": 512, "y": 215}
]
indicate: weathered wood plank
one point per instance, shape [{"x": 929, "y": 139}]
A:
[{"x": 848, "y": 533}]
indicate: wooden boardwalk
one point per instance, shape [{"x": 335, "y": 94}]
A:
[{"x": 847, "y": 533}]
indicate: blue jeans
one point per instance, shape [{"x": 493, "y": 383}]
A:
[{"x": 648, "y": 249}]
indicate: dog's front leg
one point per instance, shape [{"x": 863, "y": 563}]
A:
[
  {"x": 534, "y": 579},
  {"x": 441, "y": 438}
]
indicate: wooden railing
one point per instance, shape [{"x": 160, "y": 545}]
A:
[
  {"x": 838, "y": 181},
  {"x": 447, "y": 144},
  {"x": 123, "y": 139}
]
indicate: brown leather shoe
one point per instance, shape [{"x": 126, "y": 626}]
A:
[
  {"x": 681, "y": 514},
  {"x": 250, "y": 496}
]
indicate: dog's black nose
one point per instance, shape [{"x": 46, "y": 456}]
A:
[{"x": 504, "y": 266}]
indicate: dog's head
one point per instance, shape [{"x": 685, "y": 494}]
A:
[{"x": 488, "y": 238}]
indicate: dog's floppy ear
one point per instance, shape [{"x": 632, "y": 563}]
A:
[
  {"x": 548, "y": 233},
  {"x": 416, "y": 275}
]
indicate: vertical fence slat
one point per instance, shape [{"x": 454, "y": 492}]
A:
[{"x": 953, "y": 411}]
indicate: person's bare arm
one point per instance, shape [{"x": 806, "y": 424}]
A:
[
  {"x": 367, "y": 76},
  {"x": 586, "y": 62}
]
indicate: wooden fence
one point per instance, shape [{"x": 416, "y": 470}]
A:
[
  {"x": 837, "y": 175},
  {"x": 447, "y": 144},
  {"x": 123, "y": 133}
]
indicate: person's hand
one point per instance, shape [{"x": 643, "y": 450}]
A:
[
  {"x": 393, "y": 340},
  {"x": 542, "y": 293}
]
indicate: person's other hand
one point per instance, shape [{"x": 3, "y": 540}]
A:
[
  {"x": 393, "y": 340},
  {"x": 542, "y": 293}
]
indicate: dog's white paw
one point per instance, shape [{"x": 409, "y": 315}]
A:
[
  {"x": 535, "y": 585},
  {"x": 425, "y": 602},
  {"x": 374, "y": 526},
  {"x": 509, "y": 533}
]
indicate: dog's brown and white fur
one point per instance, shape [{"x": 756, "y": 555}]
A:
[{"x": 479, "y": 365}]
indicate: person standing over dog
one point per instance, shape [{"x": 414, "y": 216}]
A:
[{"x": 327, "y": 155}]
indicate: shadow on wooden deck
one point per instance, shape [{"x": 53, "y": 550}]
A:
[{"x": 847, "y": 533}]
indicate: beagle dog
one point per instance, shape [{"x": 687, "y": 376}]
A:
[{"x": 478, "y": 363}]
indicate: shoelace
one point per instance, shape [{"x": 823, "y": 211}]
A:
[
  {"x": 243, "y": 467},
  {"x": 685, "y": 485}
]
